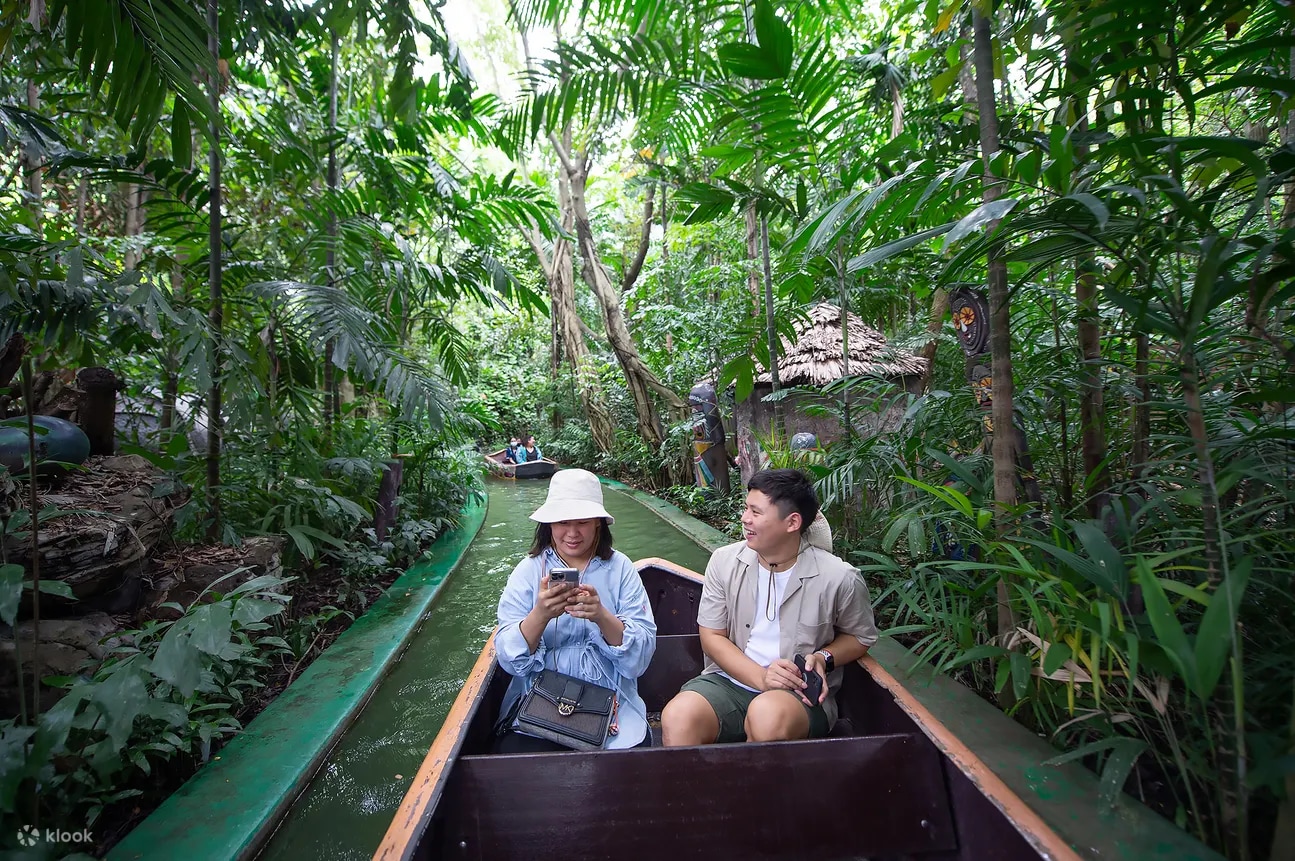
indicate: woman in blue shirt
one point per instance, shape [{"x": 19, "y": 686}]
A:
[
  {"x": 531, "y": 452},
  {"x": 600, "y": 629}
]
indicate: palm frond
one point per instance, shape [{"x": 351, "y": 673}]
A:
[
  {"x": 143, "y": 50},
  {"x": 361, "y": 343}
]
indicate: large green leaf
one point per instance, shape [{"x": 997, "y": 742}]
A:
[
  {"x": 143, "y": 49},
  {"x": 1218, "y": 632},
  {"x": 178, "y": 661},
  {"x": 1169, "y": 631},
  {"x": 745, "y": 60},
  {"x": 181, "y": 137},
  {"x": 892, "y": 249},
  {"x": 10, "y": 592},
  {"x": 120, "y": 698},
  {"x": 211, "y": 625},
  {"x": 978, "y": 219},
  {"x": 774, "y": 37}
]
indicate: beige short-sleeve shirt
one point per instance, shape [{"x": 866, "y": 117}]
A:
[{"x": 826, "y": 596}]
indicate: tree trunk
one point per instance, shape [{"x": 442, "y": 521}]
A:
[
  {"x": 1000, "y": 336},
  {"x": 639, "y": 379},
  {"x": 559, "y": 272},
  {"x": 1140, "y": 450},
  {"x": 934, "y": 325},
  {"x": 387, "y": 512},
  {"x": 752, "y": 253},
  {"x": 844, "y": 291},
  {"x": 330, "y": 253},
  {"x": 215, "y": 314},
  {"x": 1066, "y": 479},
  {"x": 170, "y": 372},
  {"x": 896, "y": 110},
  {"x": 771, "y": 330},
  {"x": 98, "y": 411},
  {"x": 1088, "y": 326},
  {"x": 82, "y": 199},
  {"x": 133, "y": 224},
  {"x": 665, "y": 248},
  {"x": 1190, "y": 376},
  {"x": 967, "y": 79},
  {"x": 31, "y": 166}
]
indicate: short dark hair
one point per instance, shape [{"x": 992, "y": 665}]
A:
[
  {"x": 790, "y": 490},
  {"x": 544, "y": 540}
]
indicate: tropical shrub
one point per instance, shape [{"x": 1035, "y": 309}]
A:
[{"x": 168, "y": 692}]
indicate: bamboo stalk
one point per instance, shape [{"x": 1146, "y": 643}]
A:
[{"x": 33, "y": 512}]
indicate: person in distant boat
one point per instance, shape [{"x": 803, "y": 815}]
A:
[
  {"x": 510, "y": 453},
  {"x": 530, "y": 452},
  {"x": 766, "y": 600},
  {"x": 599, "y": 629}
]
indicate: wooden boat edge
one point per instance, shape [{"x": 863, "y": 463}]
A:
[
  {"x": 420, "y": 800},
  {"x": 1024, "y": 818}
]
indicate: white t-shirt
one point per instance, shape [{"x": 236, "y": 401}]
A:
[{"x": 763, "y": 643}]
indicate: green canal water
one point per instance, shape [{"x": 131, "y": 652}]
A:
[{"x": 345, "y": 810}]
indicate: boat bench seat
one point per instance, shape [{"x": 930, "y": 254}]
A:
[{"x": 721, "y": 801}]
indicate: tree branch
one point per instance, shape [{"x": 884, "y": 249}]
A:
[
  {"x": 588, "y": 333},
  {"x": 563, "y": 155},
  {"x": 533, "y": 238},
  {"x": 636, "y": 266}
]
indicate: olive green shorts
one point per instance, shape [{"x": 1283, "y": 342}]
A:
[{"x": 730, "y": 701}]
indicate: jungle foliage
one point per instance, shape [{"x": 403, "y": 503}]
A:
[
  {"x": 680, "y": 183},
  {"x": 1129, "y": 595}
]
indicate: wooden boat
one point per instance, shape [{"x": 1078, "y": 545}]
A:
[
  {"x": 542, "y": 468},
  {"x": 890, "y": 782}
]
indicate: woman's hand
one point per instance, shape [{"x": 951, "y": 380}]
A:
[
  {"x": 553, "y": 601},
  {"x": 587, "y": 605}
]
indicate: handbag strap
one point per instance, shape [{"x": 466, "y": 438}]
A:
[
  {"x": 571, "y": 691},
  {"x": 588, "y": 654}
]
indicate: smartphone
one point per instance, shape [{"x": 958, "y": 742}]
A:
[
  {"x": 813, "y": 681},
  {"x": 570, "y": 576}
]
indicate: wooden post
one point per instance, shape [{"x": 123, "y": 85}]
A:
[
  {"x": 98, "y": 410},
  {"x": 388, "y": 489}
]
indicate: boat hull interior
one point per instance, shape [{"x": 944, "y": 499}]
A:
[{"x": 877, "y": 788}]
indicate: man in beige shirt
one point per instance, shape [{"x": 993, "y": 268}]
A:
[{"x": 767, "y": 599}]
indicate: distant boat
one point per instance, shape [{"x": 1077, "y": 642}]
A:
[{"x": 542, "y": 468}]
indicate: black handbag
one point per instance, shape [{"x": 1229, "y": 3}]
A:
[{"x": 568, "y": 711}]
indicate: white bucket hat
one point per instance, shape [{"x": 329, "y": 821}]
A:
[{"x": 574, "y": 494}]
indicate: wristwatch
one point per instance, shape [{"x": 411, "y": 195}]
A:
[{"x": 827, "y": 659}]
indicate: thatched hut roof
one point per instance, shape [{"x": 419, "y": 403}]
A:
[{"x": 815, "y": 358}]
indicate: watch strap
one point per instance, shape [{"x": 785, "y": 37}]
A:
[{"x": 827, "y": 659}]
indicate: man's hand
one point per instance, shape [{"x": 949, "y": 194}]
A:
[
  {"x": 782, "y": 675},
  {"x": 816, "y": 663}
]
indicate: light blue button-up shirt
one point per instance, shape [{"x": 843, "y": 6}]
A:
[{"x": 576, "y": 646}]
